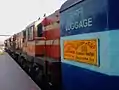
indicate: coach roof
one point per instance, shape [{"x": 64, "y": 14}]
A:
[{"x": 68, "y": 4}]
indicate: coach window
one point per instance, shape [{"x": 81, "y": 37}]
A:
[
  {"x": 27, "y": 34},
  {"x": 39, "y": 30},
  {"x": 28, "y": 30},
  {"x": 30, "y": 33},
  {"x": 24, "y": 35}
]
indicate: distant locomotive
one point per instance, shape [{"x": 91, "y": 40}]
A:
[{"x": 74, "y": 48}]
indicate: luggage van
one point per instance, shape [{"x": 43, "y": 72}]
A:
[{"x": 89, "y": 44}]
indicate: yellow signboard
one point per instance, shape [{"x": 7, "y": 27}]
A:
[{"x": 84, "y": 51}]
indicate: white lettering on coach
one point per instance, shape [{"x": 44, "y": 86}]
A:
[
  {"x": 75, "y": 24},
  {"x": 81, "y": 24}
]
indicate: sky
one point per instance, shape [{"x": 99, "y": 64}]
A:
[{"x": 15, "y": 15}]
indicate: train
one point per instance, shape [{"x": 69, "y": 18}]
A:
[{"x": 74, "y": 48}]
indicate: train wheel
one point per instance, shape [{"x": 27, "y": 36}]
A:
[
  {"x": 16, "y": 57},
  {"x": 35, "y": 71},
  {"x": 28, "y": 67},
  {"x": 18, "y": 60},
  {"x": 21, "y": 61},
  {"x": 24, "y": 64}
]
